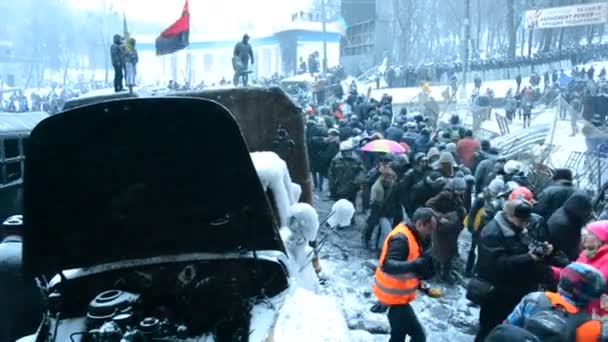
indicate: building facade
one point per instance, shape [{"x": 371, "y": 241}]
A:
[
  {"x": 211, "y": 61},
  {"x": 369, "y": 37}
]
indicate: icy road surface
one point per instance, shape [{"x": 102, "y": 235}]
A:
[{"x": 349, "y": 268}]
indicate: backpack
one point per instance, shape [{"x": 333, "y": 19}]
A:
[
  {"x": 553, "y": 324},
  {"x": 510, "y": 333}
]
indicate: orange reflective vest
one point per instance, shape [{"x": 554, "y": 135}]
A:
[
  {"x": 400, "y": 289},
  {"x": 590, "y": 331}
]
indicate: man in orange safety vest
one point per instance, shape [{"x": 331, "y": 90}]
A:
[{"x": 401, "y": 266}]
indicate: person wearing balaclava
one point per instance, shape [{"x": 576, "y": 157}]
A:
[
  {"x": 566, "y": 223},
  {"x": 117, "y": 54},
  {"x": 241, "y": 56}
]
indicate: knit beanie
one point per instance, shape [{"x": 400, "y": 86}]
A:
[
  {"x": 581, "y": 283},
  {"x": 599, "y": 229}
]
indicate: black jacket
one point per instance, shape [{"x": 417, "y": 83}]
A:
[
  {"x": 244, "y": 52},
  {"x": 117, "y": 52},
  {"x": 396, "y": 256},
  {"x": 504, "y": 259},
  {"x": 553, "y": 197},
  {"x": 478, "y": 203},
  {"x": 566, "y": 223}
]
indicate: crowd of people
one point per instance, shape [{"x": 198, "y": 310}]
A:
[
  {"x": 410, "y": 75},
  {"x": 536, "y": 266}
]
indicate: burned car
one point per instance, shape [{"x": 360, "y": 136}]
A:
[{"x": 150, "y": 221}]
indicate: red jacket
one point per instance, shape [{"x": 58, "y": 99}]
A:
[
  {"x": 466, "y": 148},
  {"x": 600, "y": 262}
]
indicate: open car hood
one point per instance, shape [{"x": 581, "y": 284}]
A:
[{"x": 140, "y": 178}]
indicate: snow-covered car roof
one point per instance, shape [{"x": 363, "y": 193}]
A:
[{"x": 20, "y": 122}]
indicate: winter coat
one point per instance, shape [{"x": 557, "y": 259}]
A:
[
  {"x": 466, "y": 148},
  {"x": 478, "y": 157},
  {"x": 553, "y": 197},
  {"x": 405, "y": 187},
  {"x": 566, "y": 223},
  {"x": 394, "y": 133},
  {"x": 117, "y": 52},
  {"x": 244, "y": 52},
  {"x": 422, "y": 144},
  {"x": 450, "y": 212},
  {"x": 315, "y": 144},
  {"x": 396, "y": 254},
  {"x": 422, "y": 191},
  {"x": 328, "y": 153},
  {"x": 20, "y": 301},
  {"x": 600, "y": 262},
  {"x": 343, "y": 174},
  {"x": 484, "y": 174},
  {"x": 505, "y": 262},
  {"x": 410, "y": 138}
]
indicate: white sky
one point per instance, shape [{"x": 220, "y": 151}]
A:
[{"x": 209, "y": 17}]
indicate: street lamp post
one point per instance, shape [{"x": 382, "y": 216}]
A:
[
  {"x": 324, "y": 19},
  {"x": 467, "y": 39}
]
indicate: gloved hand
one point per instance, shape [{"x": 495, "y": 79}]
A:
[{"x": 423, "y": 266}]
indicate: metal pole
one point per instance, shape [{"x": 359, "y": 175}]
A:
[
  {"x": 323, "y": 18},
  {"x": 467, "y": 39}
]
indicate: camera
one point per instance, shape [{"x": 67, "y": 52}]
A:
[{"x": 539, "y": 249}]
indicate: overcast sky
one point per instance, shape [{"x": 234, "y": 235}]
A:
[{"x": 211, "y": 18}]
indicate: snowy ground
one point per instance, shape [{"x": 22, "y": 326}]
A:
[{"x": 350, "y": 267}]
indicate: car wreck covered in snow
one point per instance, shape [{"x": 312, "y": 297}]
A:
[{"x": 150, "y": 220}]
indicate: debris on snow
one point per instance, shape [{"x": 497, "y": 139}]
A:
[{"x": 343, "y": 212}]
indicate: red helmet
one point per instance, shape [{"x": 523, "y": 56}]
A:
[{"x": 522, "y": 193}]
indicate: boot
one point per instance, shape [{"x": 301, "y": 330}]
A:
[{"x": 446, "y": 274}]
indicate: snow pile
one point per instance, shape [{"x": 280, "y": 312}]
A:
[
  {"x": 302, "y": 228},
  {"x": 309, "y": 317},
  {"x": 341, "y": 213},
  {"x": 274, "y": 175}
]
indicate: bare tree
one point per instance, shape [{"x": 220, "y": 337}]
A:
[{"x": 511, "y": 27}]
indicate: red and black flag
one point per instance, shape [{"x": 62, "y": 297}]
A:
[{"x": 176, "y": 36}]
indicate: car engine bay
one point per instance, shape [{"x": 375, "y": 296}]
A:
[{"x": 195, "y": 301}]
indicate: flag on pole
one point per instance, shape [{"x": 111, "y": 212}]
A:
[
  {"x": 125, "y": 32},
  {"x": 176, "y": 36}
]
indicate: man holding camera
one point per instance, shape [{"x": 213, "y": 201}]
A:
[
  {"x": 510, "y": 265},
  {"x": 401, "y": 266}
]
